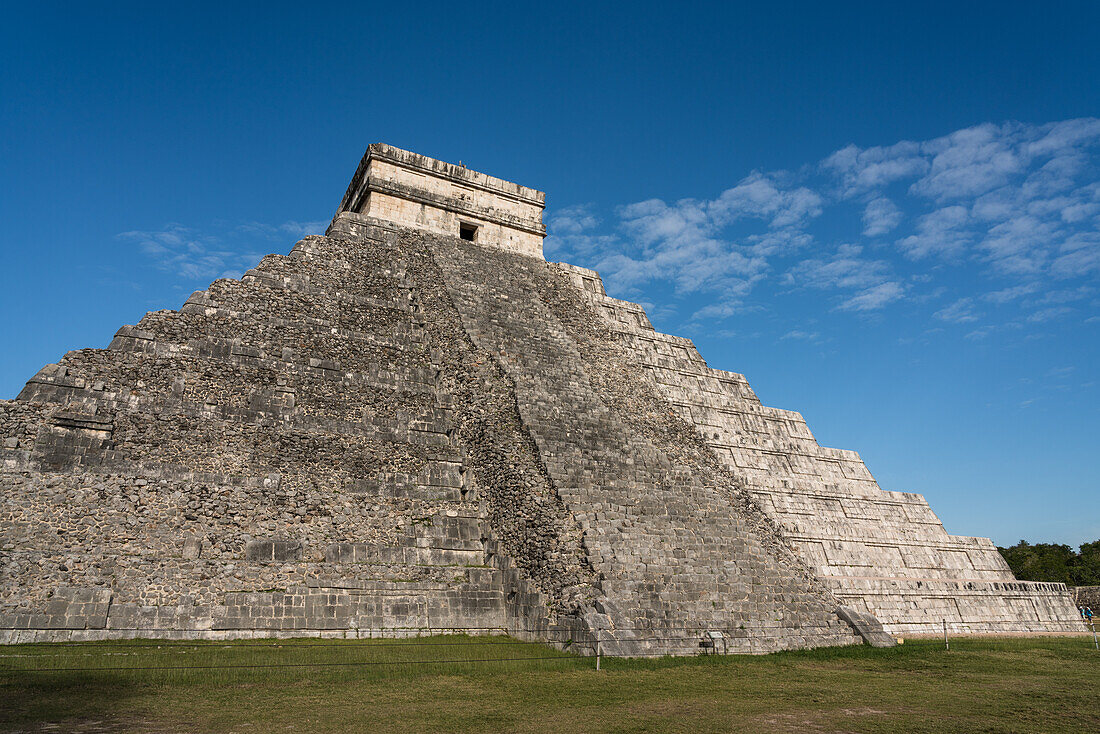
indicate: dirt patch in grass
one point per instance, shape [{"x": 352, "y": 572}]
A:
[{"x": 817, "y": 722}]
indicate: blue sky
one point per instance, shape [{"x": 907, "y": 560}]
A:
[{"x": 887, "y": 219}]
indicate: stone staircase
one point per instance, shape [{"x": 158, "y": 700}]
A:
[
  {"x": 882, "y": 553},
  {"x": 674, "y": 554},
  {"x": 385, "y": 432}
]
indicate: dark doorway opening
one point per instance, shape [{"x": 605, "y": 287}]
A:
[{"x": 467, "y": 231}]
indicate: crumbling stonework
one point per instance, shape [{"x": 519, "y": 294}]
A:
[
  {"x": 1087, "y": 596},
  {"x": 396, "y": 185},
  {"x": 277, "y": 455},
  {"x": 396, "y": 431},
  {"x": 883, "y": 553}
]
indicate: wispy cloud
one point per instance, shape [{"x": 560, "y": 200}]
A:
[
  {"x": 1023, "y": 198},
  {"x": 572, "y": 220},
  {"x": 281, "y": 231},
  {"x": 959, "y": 312},
  {"x": 1013, "y": 204},
  {"x": 872, "y": 299},
  {"x": 847, "y": 270},
  {"x": 880, "y": 216},
  {"x": 859, "y": 170},
  {"x": 940, "y": 232},
  {"x": 1012, "y": 293},
  {"x": 225, "y": 252},
  {"x": 1048, "y": 314},
  {"x": 800, "y": 335},
  {"x": 678, "y": 243}
]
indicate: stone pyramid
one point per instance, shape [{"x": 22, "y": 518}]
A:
[{"x": 415, "y": 424}]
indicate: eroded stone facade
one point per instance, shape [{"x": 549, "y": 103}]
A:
[
  {"x": 395, "y": 431},
  {"x": 881, "y": 552},
  {"x": 412, "y": 190}
]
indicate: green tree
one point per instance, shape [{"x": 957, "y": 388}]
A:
[
  {"x": 1087, "y": 572},
  {"x": 1054, "y": 562}
]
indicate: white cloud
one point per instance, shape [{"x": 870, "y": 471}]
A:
[
  {"x": 683, "y": 242},
  {"x": 781, "y": 242},
  {"x": 866, "y": 169},
  {"x": 764, "y": 197},
  {"x": 979, "y": 334},
  {"x": 880, "y": 216},
  {"x": 569, "y": 233},
  {"x": 970, "y": 162},
  {"x": 1048, "y": 314},
  {"x": 203, "y": 256},
  {"x": 1006, "y": 295},
  {"x": 1067, "y": 295},
  {"x": 1002, "y": 192},
  {"x": 1080, "y": 255},
  {"x": 959, "y": 312},
  {"x": 1018, "y": 245},
  {"x": 572, "y": 220},
  {"x": 874, "y": 298},
  {"x": 846, "y": 269},
  {"x": 279, "y": 231},
  {"x": 723, "y": 309},
  {"x": 1079, "y": 212},
  {"x": 1014, "y": 202},
  {"x": 301, "y": 229},
  {"x": 1065, "y": 135},
  {"x": 941, "y": 232}
]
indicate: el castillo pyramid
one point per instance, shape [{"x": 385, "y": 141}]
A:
[{"x": 416, "y": 424}]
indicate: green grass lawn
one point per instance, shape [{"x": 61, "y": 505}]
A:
[{"x": 474, "y": 684}]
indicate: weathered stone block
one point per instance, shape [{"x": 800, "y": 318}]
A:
[
  {"x": 475, "y": 438},
  {"x": 192, "y": 548},
  {"x": 272, "y": 550}
]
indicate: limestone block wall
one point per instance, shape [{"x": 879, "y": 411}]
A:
[
  {"x": 391, "y": 431},
  {"x": 1088, "y": 596},
  {"x": 283, "y": 455},
  {"x": 882, "y": 552},
  {"x": 368, "y": 437},
  {"x": 676, "y": 551},
  {"x": 412, "y": 190}
]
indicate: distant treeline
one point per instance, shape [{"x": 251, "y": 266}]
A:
[{"x": 1050, "y": 562}]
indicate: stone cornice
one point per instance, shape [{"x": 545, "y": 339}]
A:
[
  {"x": 391, "y": 188},
  {"x": 458, "y": 175}
]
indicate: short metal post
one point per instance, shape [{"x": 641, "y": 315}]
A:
[
  {"x": 597, "y": 653},
  {"x": 946, "y": 644}
]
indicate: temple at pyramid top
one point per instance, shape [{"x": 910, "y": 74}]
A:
[{"x": 413, "y": 190}]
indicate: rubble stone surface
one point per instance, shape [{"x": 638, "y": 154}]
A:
[
  {"x": 395, "y": 431},
  {"x": 881, "y": 553}
]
